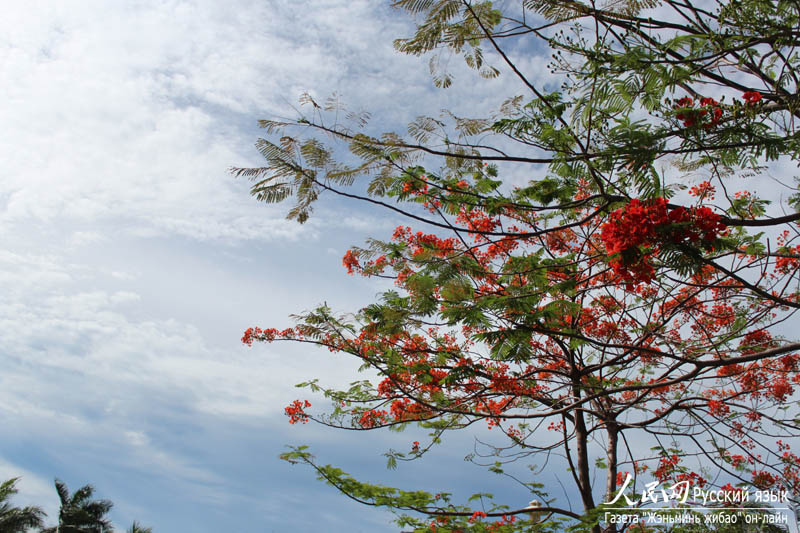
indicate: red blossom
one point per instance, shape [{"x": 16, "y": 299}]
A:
[
  {"x": 717, "y": 408},
  {"x": 635, "y": 233},
  {"x": 666, "y": 466},
  {"x": 763, "y": 480},
  {"x": 296, "y": 411},
  {"x": 372, "y": 418},
  {"x": 690, "y": 116},
  {"x": 703, "y": 190},
  {"x": 350, "y": 262},
  {"x": 789, "y": 262},
  {"x": 751, "y": 97},
  {"x": 267, "y": 335}
]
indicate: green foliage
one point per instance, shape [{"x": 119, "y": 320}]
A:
[
  {"x": 79, "y": 512},
  {"x": 138, "y": 528},
  {"x": 17, "y": 519}
]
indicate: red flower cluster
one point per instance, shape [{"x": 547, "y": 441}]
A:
[
  {"x": 756, "y": 341},
  {"x": 703, "y": 190},
  {"x": 350, "y": 262},
  {"x": 690, "y": 116},
  {"x": 404, "y": 410},
  {"x": 268, "y": 335},
  {"x": 751, "y": 97},
  {"x": 763, "y": 480},
  {"x": 634, "y": 234},
  {"x": 250, "y": 334},
  {"x": 505, "y": 520},
  {"x": 694, "y": 479},
  {"x": 416, "y": 187},
  {"x": 666, "y": 466},
  {"x": 295, "y": 411},
  {"x": 788, "y": 263},
  {"x": 704, "y": 225},
  {"x": 372, "y": 418},
  {"x": 718, "y": 409}
]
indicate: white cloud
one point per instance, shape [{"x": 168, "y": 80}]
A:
[
  {"x": 90, "y": 349},
  {"x": 134, "y": 112}
]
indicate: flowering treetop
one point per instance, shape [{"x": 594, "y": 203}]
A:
[{"x": 632, "y": 292}]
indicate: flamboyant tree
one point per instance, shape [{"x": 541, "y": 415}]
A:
[{"x": 627, "y": 308}]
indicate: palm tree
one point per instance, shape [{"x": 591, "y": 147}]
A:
[
  {"x": 79, "y": 513},
  {"x": 136, "y": 528},
  {"x": 14, "y": 519}
]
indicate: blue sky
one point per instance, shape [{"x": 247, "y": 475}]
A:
[{"x": 131, "y": 261}]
